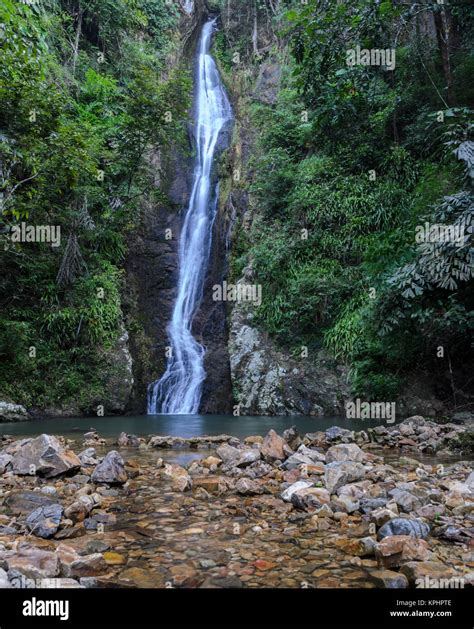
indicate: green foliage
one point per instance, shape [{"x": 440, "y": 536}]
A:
[
  {"x": 362, "y": 157},
  {"x": 84, "y": 91}
]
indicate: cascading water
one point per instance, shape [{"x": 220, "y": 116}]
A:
[{"x": 179, "y": 390}]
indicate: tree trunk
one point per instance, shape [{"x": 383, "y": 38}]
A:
[
  {"x": 443, "y": 23},
  {"x": 76, "y": 42}
]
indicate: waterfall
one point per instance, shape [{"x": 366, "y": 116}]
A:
[{"x": 180, "y": 388}]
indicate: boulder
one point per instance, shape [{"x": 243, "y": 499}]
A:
[
  {"x": 44, "y": 521},
  {"x": 404, "y": 526},
  {"x": 228, "y": 454},
  {"x": 296, "y": 460},
  {"x": 111, "y": 471},
  {"x": 382, "y": 516},
  {"x": 304, "y": 456},
  {"x": 247, "y": 457},
  {"x": 292, "y": 438},
  {"x": 362, "y": 547},
  {"x": 44, "y": 456},
  {"x": 274, "y": 448},
  {"x": 345, "y": 504},
  {"x": 406, "y": 500},
  {"x": 88, "y": 457},
  {"x": 80, "y": 509},
  {"x": 335, "y": 433},
  {"x": 210, "y": 461},
  {"x": 341, "y": 473},
  {"x": 10, "y": 412},
  {"x": 181, "y": 479},
  {"x": 74, "y": 565},
  {"x": 389, "y": 579},
  {"x": 32, "y": 562},
  {"x": 427, "y": 573},
  {"x": 248, "y": 487},
  {"x": 23, "y": 502},
  {"x": 345, "y": 452},
  {"x": 211, "y": 484},
  {"x": 393, "y": 551},
  {"x": 431, "y": 511}
]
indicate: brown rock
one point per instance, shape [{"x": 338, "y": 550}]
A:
[
  {"x": 180, "y": 477},
  {"x": 274, "y": 447},
  {"x": 398, "y": 549},
  {"x": 310, "y": 498},
  {"x": 210, "y": 461},
  {"x": 212, "y": 484},
  {"x": 419, "y": 572},
  {"x": 33, "y": 562},
  {"x": 362, "y": 547},
  {"x": 139, "y": 577},
  {"x": 389, "y": 579}
]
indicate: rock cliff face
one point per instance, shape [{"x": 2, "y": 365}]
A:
[{"x": 269, "y": 382}]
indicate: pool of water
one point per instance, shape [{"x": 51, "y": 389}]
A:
[{"x": 181, "y": 425}]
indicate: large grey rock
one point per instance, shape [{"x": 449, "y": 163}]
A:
[
  {"x": 311, "y": 453},
  {"x": 248, "y": 487},
  {"x": 304, "y": 456},
  {"x": 268, "y": 83},
  {"x": 26, "y": 501},
  {"x": 88, "y": 457},
  {"x": 345, "y": 452},
  {"x": 111, "y": 471},
  {"x": 228, "y": 454},
  {"x": 404, "y": 526},
  {"x": 119, "y": 374},
  {"x": 44, "y": 456},
  {"x": 10, "y": 412},
  {"x": 247, "y": 457},
  {"x": 336, "y": 433},
  {"x": 341, "y": 473},
  {"x": 44, "y": 521},
  {"x": 407, "y": 501}
]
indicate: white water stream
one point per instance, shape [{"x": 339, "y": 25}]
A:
[{"x": 180, "y": 388}]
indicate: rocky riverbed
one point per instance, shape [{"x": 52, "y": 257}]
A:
[{"x": 388, "y": 507}]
